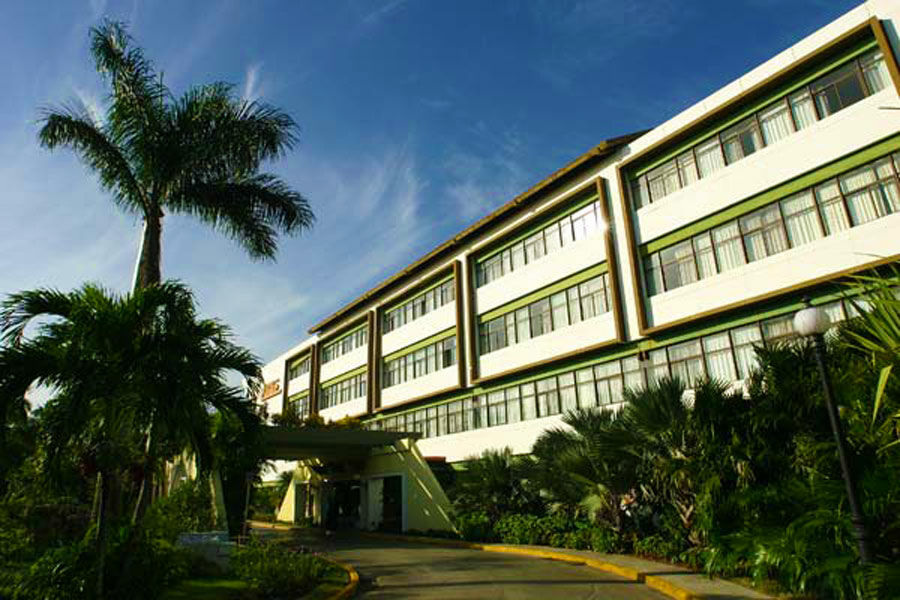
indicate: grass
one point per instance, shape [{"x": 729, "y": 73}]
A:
[{"x": 333, "y": 581}]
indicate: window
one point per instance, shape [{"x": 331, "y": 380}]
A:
[
  {"x": 687, "y": 168},
  {"x": 659, "y": 365},
  {"x": 663, "y": 180},
  {"x": 610, "y": 383},
  {"x": 523, "y": 325},
  {"x": 539, "y": 313},
  {"x": 534, "y": 247},
  {"x": 718, "y": 357},
  {"x": 778, "y": 330},
  {"x": 743, "y": 339},
  {"x": 875, "y": 72},
  {"x": 497, "y": 408},
  {"x": 593, "y": 297},
  {"x": 828, "y": 197},
  {"x": 653, "y": 275},
  {"x": 587, "y": 392},
  {"x": 709, "y": 157},
  {"x": 343, "y": 391},
  {"x": 838, "y": 90},
  {"x": 431, "y": 358},
  {"x": 568, "y": 397},
  {"x": 574, "y": 305},
  {"x": 558, "y": 310},
  {"x": 686, "y": 361},
  {"x": 776, "y": 122},
  {"x": 513, "y": 405},
  {"x": 678, "y": 266},
  {"x": 741, "y": 140},
  {"x": 801, "y": 219},
  {"x": 640, "y": 194},
  {"x": 802, "y": 109},
  {"x": 548, "y": 397},
  {"x": 298, "y": 369},
  {"x": 703, "y": 254},
  {"x": 763, "y": 233},
  {"x": 632, "y": 373},
  {"x": 729, "y": 248}
]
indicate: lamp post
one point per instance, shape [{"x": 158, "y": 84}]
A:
[{"x": 813, "y": 322}]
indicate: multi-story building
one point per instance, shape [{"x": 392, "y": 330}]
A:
[{"x": 671, "y": 251}]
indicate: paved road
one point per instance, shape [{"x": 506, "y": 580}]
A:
[{"x": 390, "y": 569}]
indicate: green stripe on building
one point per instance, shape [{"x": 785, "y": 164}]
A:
[{"x": 404, "y": 300}]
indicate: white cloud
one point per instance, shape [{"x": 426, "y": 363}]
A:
[{"x": 253, "y": 87}]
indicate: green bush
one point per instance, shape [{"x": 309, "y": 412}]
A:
[
  {"x": 187, "y": 508},
  {"x": 475, "y": 527},
  {"x": 605, "y": 540},
  {"x": 276, "y": 571}
]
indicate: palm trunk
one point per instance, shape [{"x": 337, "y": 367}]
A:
[
  {"x": 143, "y": 499},
  {"x": 149, "y": 268},
  {"x": 102, "y": 526}
]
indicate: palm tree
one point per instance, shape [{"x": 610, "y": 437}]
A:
[
  {"x": 496, "y": 483},
  {"x": 198, "y": 155},
  {"x": 115, "y": 363}
]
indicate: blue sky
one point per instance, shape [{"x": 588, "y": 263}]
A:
[{"x": 417, "y": 117}]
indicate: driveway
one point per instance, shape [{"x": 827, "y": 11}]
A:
[{"x": 390, "y": 569}]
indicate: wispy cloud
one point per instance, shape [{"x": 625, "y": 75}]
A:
[
  {"x": 374, "y": 17},
  {"x": 253, "y": 87}
]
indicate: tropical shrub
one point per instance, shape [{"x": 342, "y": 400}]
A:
[
  {"x": 496, "y": 483},
  {"x": 277, "y": 571},
  {"x": 475, "y": 526}
]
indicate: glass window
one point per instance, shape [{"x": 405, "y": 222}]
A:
[
  {"x": 610, "y": 383},
  {"x": 875, "y": 71},
  {"x": 888, "y": 196},
  {"x": 584, "y": 222},
  {"x": 763, "y": 233},
  {"x": 523, "y": 325},
  {"x": 567, "y": 394},
  {"x": 663, "y": 180},
  {"x": 863, "y": 200},
  {"x": 729, "y": 247},
  {"x": 529, "y": 402},
  {"x": 497, "y": 408},
  {"x": 831, "y": 207},
  {"x": 659, "y": 366},
  {"x": 640, "y": 194},
  {"x": 709, "y": 157},
  {"x": 687, "y": 168},
  {"x": 517, "y": 254},
  {"x": 587, "y": 393},
  {"x": 743, "y": 339},
  {"x": 777, "y": 330},
  {"x": 539, "y": 314},
  {"x": 632, "y": 372},
  {"x": 801, "y": 219},
  {"x": 593, "y": 297},
  {"x": 534, "y": 247},
  {"x": 449, "y": 352},
  {"x": 548, "y": 397},
  {"x": 775, "y": 122},
  {"x": 703, "y": 253},
  {"x": 838, "y": 90},
  {"x": 510, "y": 322},
  {"x": 741, "y": 140},
  {"x": 565, "y": 230},
  {"x": 686, "y": 361},
  {"x": 574, "y": 305},
  {"x": 802, "y": 108},
  {"x": 559, "y": 310},
  {"x": 513, "y": 405},
  {"x": 551, "y": 236},
  {"x": 678, "y": 265},
  {"x": 653, "y": 275},
  {"x": 719, "y": 360}
]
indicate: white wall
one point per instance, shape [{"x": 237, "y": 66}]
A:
[
  {"x": 427, "y": 384},
  {"x": 425, "y": 326},
  {"x": 586, "y": 333},
  {"x": 353, "y": 408},
  {"x": 853, "y": 247},
  {"x": 299, "y": 384},
  {"x": 552, "y": 267}
]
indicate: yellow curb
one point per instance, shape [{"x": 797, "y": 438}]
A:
[
  {"x": 652, "y": 581},
  {"x": 349, "y": 590},
  {"x": 668, "y": 588}
]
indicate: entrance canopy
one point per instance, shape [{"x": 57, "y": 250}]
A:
[{"x": 288, "y": 443}]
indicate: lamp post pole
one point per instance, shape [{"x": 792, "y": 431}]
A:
[{"x": 812, "y": 322}]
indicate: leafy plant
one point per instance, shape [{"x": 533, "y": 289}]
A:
[{"x": 276, "y": 571}]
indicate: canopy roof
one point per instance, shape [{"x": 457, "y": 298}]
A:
[{"x": 289, "y": 443}]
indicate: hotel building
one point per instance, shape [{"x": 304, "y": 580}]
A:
[{"x": 671, "y": 251}]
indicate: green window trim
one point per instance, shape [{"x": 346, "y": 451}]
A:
[
  {"x": 404, "y": 299},
  {"x": 545, "y": 291},
  {"x": 298, "y": 396},
  {"x": 590, "y": 196},
  {"x": 855, "y": 51},
  {"x": 437, "y": 337},
  {"x": 344, "y": 376},
  {"x": 779, "y": 192}
]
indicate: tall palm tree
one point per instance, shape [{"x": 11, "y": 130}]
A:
[
  {"x": 199, "y": 154},
  {"x": 115, "y": 363}
]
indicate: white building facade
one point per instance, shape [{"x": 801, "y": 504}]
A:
[{"x": 669, "y": 252}]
